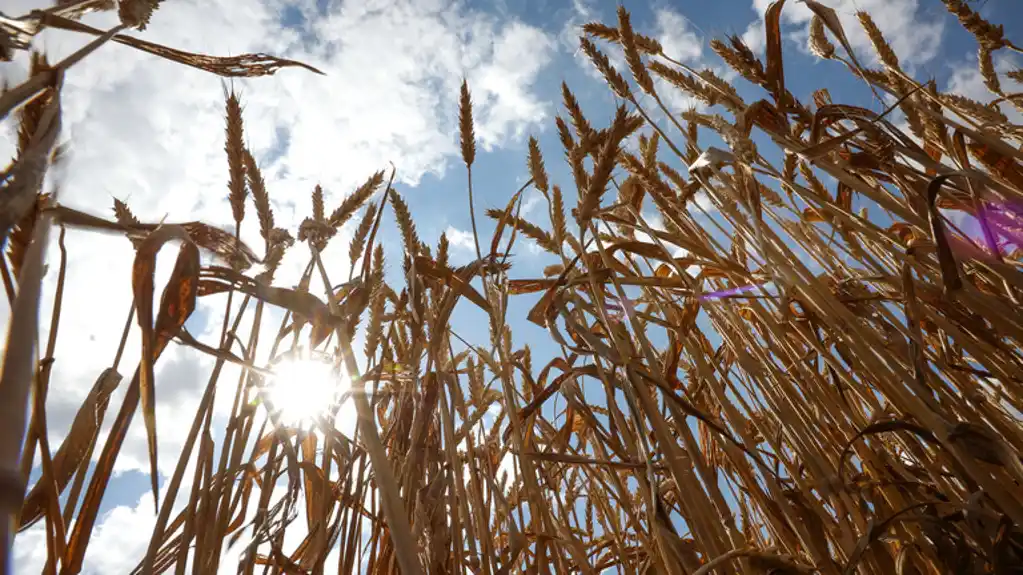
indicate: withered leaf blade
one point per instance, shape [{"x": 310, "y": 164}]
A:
[
  {"x": 711, "y": 157},
  {"x": 946, "y": 260},
  {"x": 210, "y": 238},
  {"x": 221, "y": 243},
  {"x": 177, "y": 304},
  {"x": 445, "y": 274},
  {"x": 179, "y": 296},
  {"x": 502, "y": 221},
  {"x": 519, "y": 287},
  {"x": 80, "y": 536},
  {"x": 775, "y": 69},
  {"x": 71, "y": 453},
  {"x": 217, "y": 279},
  {"x": 241, "y": 66},
  {"x": 862, "y": 116},
  {"x": 882, "y": 427},
  {"x": 979, "y": 442},
  {"x": 831, "y": 21},
  {"x": 997, "y": 163},
  {"x": 639, "y": 248},
  {"x": 874, "y": 531}
]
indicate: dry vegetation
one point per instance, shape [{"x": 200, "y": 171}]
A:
[{"x": 833, "y": 389}]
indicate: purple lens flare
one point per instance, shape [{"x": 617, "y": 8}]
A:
[{"x": 731, "y": 292}]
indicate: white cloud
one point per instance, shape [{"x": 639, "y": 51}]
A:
[
  {"x": 676, "y": 38},
  {"x": 914, "y": 36},
  {"x": 502, "y": 85},
  {"x": 582, "y": 12},
  {"x": 533, "y": 200},
  {"x": 460, "y": 240},
  {"x": 680, "y": 43}
]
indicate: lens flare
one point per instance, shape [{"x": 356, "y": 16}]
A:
[{"x": 304, "y": 389}]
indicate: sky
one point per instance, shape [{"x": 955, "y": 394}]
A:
[{"x": 150, "y": 132}]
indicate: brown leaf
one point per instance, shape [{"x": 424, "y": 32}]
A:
[
  {"x": 843, "y": 196},
  {"x": 502, "y": 221},
  {"x": 814, "y": 215},
  {"x": 221, "y": 243},
  {"x": 980, "y": 443},
  {"x": 244, "y": 65},
  {"x": 946, "y": 260},
  {"x": 71, "y": 453},
  {"x": 550, "y": 390},
  {"x": 831, "y": 21},
  {"x": 176, "y": 305},
  {"x": 882, "y": 427},
  {"x": 445, "y": 274},
  {"x": 642, "y": 249},
  {"x": 775, "y": 70},
  {"x": 874, "y": 532},
  {"x": 216, "y": 279},
  {"x": 518, "y": 287},
  {"x": 761, "y": 113}
]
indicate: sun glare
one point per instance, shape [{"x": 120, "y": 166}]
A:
[{"x": 305, "y": 389}]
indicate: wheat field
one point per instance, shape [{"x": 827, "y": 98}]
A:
[{"x": 830, "y": 382}]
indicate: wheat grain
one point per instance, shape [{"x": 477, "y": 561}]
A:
[
  {"x": 881, "y": 47},
  {"x": 632, "y": 57},
  {"x": 352, "y": 203},
  {"x": 987, "y": 70},
  {"x": 603, "y": 65},
  {"x": 136, "y": 13},
  {"x": 260, "y": 196},
  {"x": 533, "y": 232},
  {"x": 645, "y": 43},
  {"x": 355, "y": 249},
  {"x": 974, "y": 108},
  {"x": 465, "y": 127},
  {"x": 235, "y": 149},
  {"x": 990, "y": 36},
  {"x": 536, "y": 167},
  {"x": 732, "y": 100},
  {"x": 685, "y": 83},
  {"x": 817, "y": 41},
  {"x": 409, "y": 237},
  {"x": 741, "y": 59}
]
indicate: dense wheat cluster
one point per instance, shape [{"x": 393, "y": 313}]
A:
[{"x": 829, "y": 381}]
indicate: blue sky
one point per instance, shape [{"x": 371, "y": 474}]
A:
[{"x": 151, "y": 133}]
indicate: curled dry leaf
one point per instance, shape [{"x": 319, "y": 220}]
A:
[
  {"x": 949, "y": 267},
  {"x": 213, "y": 239},
  {"x": 775, "y": 68},
  {"x": 242, "y": 66},
  {"x": 176, "y": 305},
  {"x": 70, "y": 455}
]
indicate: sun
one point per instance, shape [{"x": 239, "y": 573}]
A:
[{"x": 305, "y": 388}]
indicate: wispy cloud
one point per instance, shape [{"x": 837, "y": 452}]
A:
[{"x": 460, "y": 240}]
